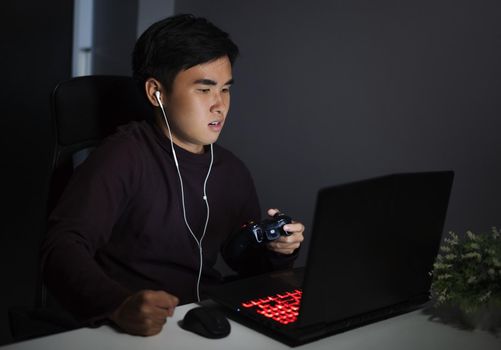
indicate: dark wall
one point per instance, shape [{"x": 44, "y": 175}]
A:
[
  {"x": 333, "y": 91},
  {"x": 36, "y": 54}
]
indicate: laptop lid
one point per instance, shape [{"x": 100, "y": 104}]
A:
[{"x": 373, "y": 245}]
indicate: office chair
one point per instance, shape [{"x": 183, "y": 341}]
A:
[{"x": 84, "y": 111}]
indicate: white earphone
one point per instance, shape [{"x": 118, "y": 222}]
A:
[
  {"x": 157, "y": 95},
  {"x": 199, "y": 242}
]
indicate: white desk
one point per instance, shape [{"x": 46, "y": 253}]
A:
[{"x": 409, "y": 331}]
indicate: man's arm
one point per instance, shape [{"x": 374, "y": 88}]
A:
[
  {"x": 77, "y": 281},
  {"x": 81, "y": 224}
]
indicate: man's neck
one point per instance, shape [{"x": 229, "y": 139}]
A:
[{"x": 192, "y": 148}]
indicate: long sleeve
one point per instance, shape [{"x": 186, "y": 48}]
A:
[{"x": 81, "y": 224}]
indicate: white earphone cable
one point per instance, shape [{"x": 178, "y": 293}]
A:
[{"x": 199, "y": 242}]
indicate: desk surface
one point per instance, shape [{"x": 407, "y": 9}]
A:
[{"x": 408, "y": 331}]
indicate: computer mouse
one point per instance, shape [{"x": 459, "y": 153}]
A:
[{"x": 206, "y": 321}]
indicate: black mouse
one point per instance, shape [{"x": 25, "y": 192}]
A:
[{"x": 207, "y": 322}]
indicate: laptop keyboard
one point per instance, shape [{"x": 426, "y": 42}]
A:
[{"x": 282, "y": 307}]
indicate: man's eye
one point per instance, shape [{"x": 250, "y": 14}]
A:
[
  {"x": 226, "y": 90},
  {"x": 204, "y": 90}
]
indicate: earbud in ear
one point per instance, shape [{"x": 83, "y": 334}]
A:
[{"x": 157, "y": 95}]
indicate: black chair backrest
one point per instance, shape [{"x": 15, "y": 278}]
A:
[{"x": 84, "y": 111}]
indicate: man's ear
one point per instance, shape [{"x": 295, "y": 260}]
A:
[{"x": 151, "y": 87}]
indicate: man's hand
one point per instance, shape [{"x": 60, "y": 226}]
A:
[
  {"x": 287, "y": 244},
  {"x": 145, "y": 312}
]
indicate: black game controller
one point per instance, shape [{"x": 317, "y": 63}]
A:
[
  {"x": 255, "y": 234},
  {"x": 269, "y": 229}
]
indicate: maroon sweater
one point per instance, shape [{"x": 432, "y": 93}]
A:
[{"x": 119, "y": 228}]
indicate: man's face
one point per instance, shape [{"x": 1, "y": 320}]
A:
[{"x": 198, "y": 104}]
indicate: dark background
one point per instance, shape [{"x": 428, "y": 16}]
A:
[
  {"x": 36, "y": 39},
  {"x": 326, "y": 92}
]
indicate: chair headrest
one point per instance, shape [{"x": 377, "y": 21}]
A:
[{"x": 91, "y": 107}]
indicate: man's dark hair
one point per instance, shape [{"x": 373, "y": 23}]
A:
[{"x": 175, "y": 44}]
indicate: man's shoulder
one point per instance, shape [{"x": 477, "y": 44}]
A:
[
  {"x": 124, "y": 146},
  {"x": 127, "y": 136},
  {"x": 132, "y": 131}
]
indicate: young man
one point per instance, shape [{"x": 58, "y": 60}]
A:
[{"x": 141, "y": 223}]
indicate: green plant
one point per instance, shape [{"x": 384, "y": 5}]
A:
[{"x": 467, "y": 271}]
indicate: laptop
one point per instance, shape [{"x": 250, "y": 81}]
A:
[{"x": 373, "y": 244}]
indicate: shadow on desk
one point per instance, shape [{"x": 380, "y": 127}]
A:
[
  {"x": 30, "y": 322},
  {"x": 488, "y": 320}
]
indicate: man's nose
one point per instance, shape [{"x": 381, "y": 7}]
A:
[{"x": 219, "y": 105}]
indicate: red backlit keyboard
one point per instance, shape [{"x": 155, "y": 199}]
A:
[{"x": 283, "y": 308}]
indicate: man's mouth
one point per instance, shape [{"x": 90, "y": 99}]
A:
[{"x": 215, "y": 123}]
